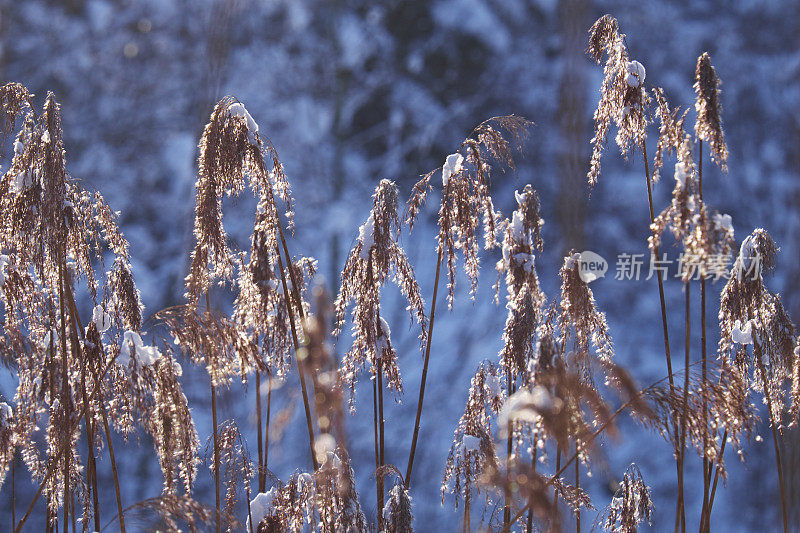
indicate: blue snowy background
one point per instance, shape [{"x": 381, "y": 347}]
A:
[{"x": 352, "y": 91}]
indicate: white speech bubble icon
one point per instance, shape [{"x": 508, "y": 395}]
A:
[{"x": 591, "y": 266}]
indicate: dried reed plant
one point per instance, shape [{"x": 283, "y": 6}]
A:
[{"x": 466, "y": 207}]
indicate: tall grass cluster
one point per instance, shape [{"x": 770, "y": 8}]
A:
[{"x": 87, "y": 372}]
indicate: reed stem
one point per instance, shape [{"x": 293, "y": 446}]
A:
[
  {"x": 682, "y": 454},
  {"x": 509, "y": 450},
  {"x": 772, "y": 424},
  {"x": 296, "y": 342},
  {"x": 13, "y": 489},
  {"x": 266, "y": 433},
  {"x": 66, "y": 399},
  {"x": 704, "y": 518},
  {"x": 377, "y": 451},
  {"x": 261, "y": 478},
  {"x": 578, "y": 486},
  {"x": 664, "y": 324},
  {"x": 217, "y": 516},
  {"x": 424, "y": 370}
]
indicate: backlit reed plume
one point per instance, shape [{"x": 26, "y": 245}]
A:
[
  {"x": 7, "y": 439},
  {"x": 324, "y": 501},
  {"x": 522, "y": 482},
  {"x": 729, "y": 408},
  {"x": 580, "y": 320},
  {"x": 670, "y": 131},
  {"x": 751, "y": 315},
  {"x": 237, "y": 468},
  {"x": 466, "y": 207},
  {"x": 232, "y": 155},
  {"x": 524, "y": 299},
  {"x": 630, "y": 506},
  {"x": 375, "y": 255},
  {"x": 397, "y": 515},
  {"x": 708, "y": 106},
  {"x": 174, "y": 511},
  {"x": 14, "y": 98},
  {"x": 623, "y": 99},
  {"x": 473, "y": 447},
  {"x": 705, "y": 235},
  {"x": 53, "y": 234}
]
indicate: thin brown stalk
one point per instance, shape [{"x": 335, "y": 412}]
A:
[
  {"x": 578, "y": 486},
  {"x": 424, "y": 370},
  {"x": 716, "y": 478},
  {"x": 529, "y": 525},
  {"x": 261, "y": 473},
  {"x": 377, "y": 451},
  {"x": 682, "y": 452},
  {"x": 91, "y": 474},
  {"x": 466, "y": 522},
  {"x": 113, "y": 460},
  {"x": 266, "y": 433},
  {"x": 772, "y": 423},
  {"x": 13, "y": 491},
  {"x": 214, "y": 434},
  {"x": 217, "y": 516},
  {"x": 509, "y": 450},
  {"x": 72, "y": 511},
  {"x": 664, "y": 324},
  {"x": 249, "y": 512},
  {"x": 379, "y": 380},
  {"x": 65, "y": 396},
  {"x": 704, "y": 518},
  {"x": 381, "y": 458},
  {"x": 295, "y": 341}
]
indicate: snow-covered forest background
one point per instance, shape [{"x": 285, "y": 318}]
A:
[{"x": 352, "y": 91}]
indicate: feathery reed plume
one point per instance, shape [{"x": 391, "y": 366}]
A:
[
  {"x": 522, "y": 482},
  {"x": 237, "y": 466},
  {"x": 14, "y": 98},
  {"x": 325, "y": 501},
  {"x": 752, "y": 315},
  {"x": 473, "y": 447},
  {"x": 623, "y": 99},
  {"x": 7, "y": 439},
  {"x": 709, "y": 123},
  {"x": 374, "y": 256},
  {"x": 728, "y": 403},
  {"x": 522, "y": 237},
  {"x": 578, "y": 315},
  {"x": 397, "y": 515},
  {"x": 465, "y": 206},
  {"x": 630, "y": 506},
  {"x": 232, "y": 155},
  {"x": 175, "y": 510},
  {"x": 670, "y": 131},
  {"x": 55, "y": 234}
]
